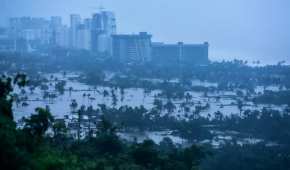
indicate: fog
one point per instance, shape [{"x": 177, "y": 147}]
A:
[
  {"x": 243, "y": 29},
  {"x": 145, "y": 84}
]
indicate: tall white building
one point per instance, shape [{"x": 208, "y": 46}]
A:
[
  {"x": 62, "y": 37},
  {"x": 132, "y": 48},
  {"x": 103, "y": 27},
  {"x": 83, "y": 38},
  {"x": 35, "y": 31},
  {"x": 75, "y": 22},
  {"x": 55, "y": 22}
]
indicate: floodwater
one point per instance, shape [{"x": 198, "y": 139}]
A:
[
  {"x": 92, "y": 96},
  {"x": 88, "y": 95}
]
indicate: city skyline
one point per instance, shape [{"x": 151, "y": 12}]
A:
[
  {"x": 242, "y": 29},
  {"x": 96, "y": 35}
]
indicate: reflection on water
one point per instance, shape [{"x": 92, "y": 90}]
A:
[{"x": 92, "y": 96}]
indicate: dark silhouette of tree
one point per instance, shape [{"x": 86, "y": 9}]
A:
[
  {"x": 37, "y": 124},
  {"x": 6, "y": 87},
  {"x": 146, "y": 154}
]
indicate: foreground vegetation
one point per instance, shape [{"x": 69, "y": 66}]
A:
[
  {"x": 31, "y": 147},
  {"x": 43, "y": 142}
]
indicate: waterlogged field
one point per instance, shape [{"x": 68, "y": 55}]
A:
[{"x": 86, "y": 95}]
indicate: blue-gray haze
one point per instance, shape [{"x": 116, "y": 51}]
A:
[{"x": 244, "y": 29}]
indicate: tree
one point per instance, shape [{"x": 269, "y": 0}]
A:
[
  {"x": 145, "y": 154},
  {"x": 70, "y": 89},
  {"x": 192, "y": 156},
  {"x": 59, "y": 131},
  {"x": 80, "y": 113},
  {"x": 158, "y": 105},
  {"x": 11, "y": 156},
  {"x": 90, "y": 112},
  {"x": 37, "y": 124},
  {"x": 73, "y": 106},
  {"x": 167, "y": 145},
  {"x": 240, "y": 106},
  {"x": 6, "y": 87},
  {"x": 105, "y": 127},
  {"x": 170, "y": 106},
  {"x": 107, "y": 141}
]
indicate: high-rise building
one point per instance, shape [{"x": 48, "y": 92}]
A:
[
  {"x": 109, "y": 22},
  {"x": 103, "y": 27},
  {"x": 55, "y": 22},
  {"x": 180, "y": 53},
  {"x": 34, "y": 31},
  {"x": 104, "y": 22},
  {"x": 75, "y": 21},
  {"x": 62, "y": 37},
  {"x": 88, "y": 23},
  {"x": 6, "y": 44},
  {"x": 132, "y": 48},
  {"x": 83, "y": 38}
]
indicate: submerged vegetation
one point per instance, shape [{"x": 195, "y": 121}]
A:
[
  {"x": 188, "y": 106},
  {"x": 33, "y": 148}
]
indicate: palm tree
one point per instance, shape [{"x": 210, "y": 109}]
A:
[
  {"x": 183, "y": 106},
  {"x": 90, "y": 111},
  {"x": 105, "y": 93},
  {"x": 70, "y": 90},
  {"x": 114, "y": 100},
  {"x": 73, "y": 106},
  {"x": 16, "y": 99},
  {"x": 218, "y": 115},
  {"x": 188, "y": 97},
  {"x": 158, "y": 105},
  {"x": 64, "y": 74},
  {"x": 170, "y": 106},
  {"x": 106, "y": 128},
  {"x": 84, "y": 95},
  {"x": 80, "y": 112},
  {"x": 240, "y": 106},
  {"x": 122, "y": 93},
  {"x": 31, "y": 88}
]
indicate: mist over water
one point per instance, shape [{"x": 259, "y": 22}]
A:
[
  {"x": 134, "y": 84},
  {"x": 247, "y": 30}
]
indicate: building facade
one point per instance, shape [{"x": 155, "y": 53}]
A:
[
  {"x": 103, "y": 27},
  {"x": 83, "y": 38},
  {"x": 132, "y": 48},
  {"x": 186, "y": 54},
  {"x": 36, "y": 31},
  {"x": 75, "y": 22}
]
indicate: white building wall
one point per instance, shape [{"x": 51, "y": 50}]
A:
[{"x": 83, "y": 39}]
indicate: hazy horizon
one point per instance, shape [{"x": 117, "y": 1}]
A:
[{"x": 242, "y": 29}]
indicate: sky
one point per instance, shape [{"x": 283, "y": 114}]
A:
[{"x": 242, "y": 29}]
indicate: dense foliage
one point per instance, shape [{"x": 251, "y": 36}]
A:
[
  {"x": 42, "y": 142},
  {"x": 31, "y": 147}
]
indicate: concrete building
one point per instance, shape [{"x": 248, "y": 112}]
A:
[
  {"x": 132, "y": 48},
  {"x": 83, "y": 38},
  {"x": 62, "y": 37},
  {"x": 29, "y": 32},
  {"x": 75, "y": 22},
  {"x": 55, "y": 22},
  {"x": 186, "y": 54},
  {"x": 109, "y": 23},
  {"x": 103, "y": 27},
  {"x": 6, "y": 44},
  {"x": 104, "y": 22},
  {"x": 88, "y": 23}
]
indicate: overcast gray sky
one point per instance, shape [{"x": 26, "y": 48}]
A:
[{"x": 244, "y": 29}]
